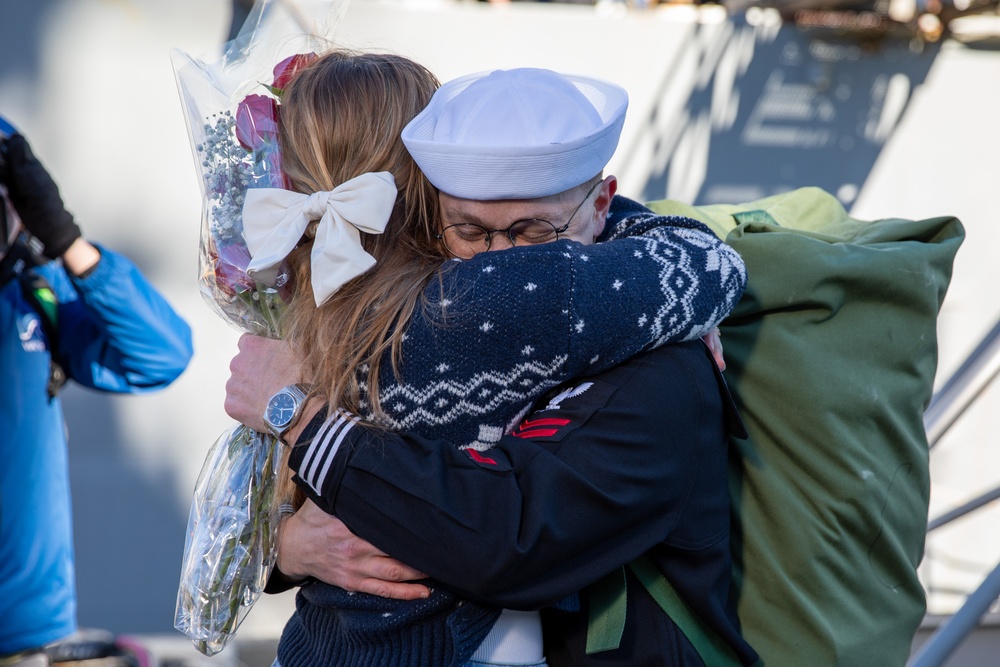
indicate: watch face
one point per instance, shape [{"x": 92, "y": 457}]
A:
[{"x": 281, "y": 410}]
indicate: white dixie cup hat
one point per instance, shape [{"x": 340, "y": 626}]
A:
[{"x": 516, "y": 134}]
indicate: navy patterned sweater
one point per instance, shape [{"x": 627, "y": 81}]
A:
[
  {"x": 501, "y": 329},
  {"x": 504, "y": 327}
]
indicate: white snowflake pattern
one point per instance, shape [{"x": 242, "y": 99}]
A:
[
  {"x": 642, "y": 320},
  {"x": 489, "y": 268},
  {"x": 527, "y": 350},
  {"x": 595, "y": 359},
  {"x": 443, "y": 368},
  {"x": 579, "y": 326},
  {"x": 530, "y": 287},
  {"x": 637, "y": 253},
  {"x": 617, "y": 284},
  {"x": 445, "y": 303},
  {"x": 486, "y": 327},
  {"x": 441, "y": 403},
  {"x": 584, "y": 258}
]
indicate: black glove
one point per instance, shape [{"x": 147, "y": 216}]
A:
[{"x": 35, "y": 197}]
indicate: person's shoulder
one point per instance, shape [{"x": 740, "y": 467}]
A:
[
  {"x": 623, "y": 206},
  {"x": 667, "y": 363},
  {"x": 693, "y": 352},
  {"x": 692, "y": 360},
  {"x": 624, "y": 213},
  {"x": 673, "y": 367}
]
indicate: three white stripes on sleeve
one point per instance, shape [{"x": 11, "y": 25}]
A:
[{"x": 319, "y": 457}]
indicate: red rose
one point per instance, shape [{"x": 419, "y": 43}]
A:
[
  {"x": 286, "y": 70},
  {"x": 256, "y": 122}
]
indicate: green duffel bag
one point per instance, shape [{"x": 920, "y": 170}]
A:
[{"x": 831, "y": 355}]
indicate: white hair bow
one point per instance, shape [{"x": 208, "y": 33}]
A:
[{"x": 275, "y": 219}]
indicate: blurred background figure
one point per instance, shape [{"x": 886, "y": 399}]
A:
[{"x": 69, "y": 310}]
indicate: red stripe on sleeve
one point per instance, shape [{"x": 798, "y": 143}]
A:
[{"x": 479, "y": 458}]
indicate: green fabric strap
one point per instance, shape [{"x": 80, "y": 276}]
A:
[
  {"x": 47, "y": 298},
  {"x": 607, "y": 612},
  {"x": 43, "y": 299},
  {"x": 713, "y": 651},
  {"x": 608, "y": 607},
  {"x": 41, "y": 296}
]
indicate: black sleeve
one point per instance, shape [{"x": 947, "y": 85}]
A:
[{"x": 596, "y": 476}]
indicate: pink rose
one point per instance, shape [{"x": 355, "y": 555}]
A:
[
  {"x": 257, "y": 122},
  {"x": 286, "y": 70},
  {"x": 231, "y": 269}
]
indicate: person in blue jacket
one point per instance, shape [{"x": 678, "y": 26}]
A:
[{"x": 69, "y": 310}]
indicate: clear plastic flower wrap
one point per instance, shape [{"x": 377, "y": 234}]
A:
[
  {"x": 231, "y": 107},
  {"x": 229, "y": 551}
]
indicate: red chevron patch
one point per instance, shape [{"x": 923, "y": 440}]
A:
[
  {"x": 539, "y": 428},
  {"x": 479, "y": 458}
]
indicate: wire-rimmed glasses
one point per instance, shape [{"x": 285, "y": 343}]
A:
[{"x": 466, "y": 239}]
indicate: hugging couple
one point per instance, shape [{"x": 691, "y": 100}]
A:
[{"x": 501, "y": 381}]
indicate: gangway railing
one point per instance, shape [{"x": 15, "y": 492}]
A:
[
  {"x": 963, "y": 387},
  {"x": 948, "y": 404}
]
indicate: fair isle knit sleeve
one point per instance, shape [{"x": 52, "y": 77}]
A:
[
  {"x": 502, "y": 328},
  {"x": 708, "y": 276}
]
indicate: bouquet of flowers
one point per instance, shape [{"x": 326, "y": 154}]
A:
[{"x": 232, "y": 113}]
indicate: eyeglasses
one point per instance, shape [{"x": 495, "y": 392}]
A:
[{"x": 466, "y": 239}]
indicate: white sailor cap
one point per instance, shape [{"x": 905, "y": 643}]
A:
[{"x": 516, "y": 134}]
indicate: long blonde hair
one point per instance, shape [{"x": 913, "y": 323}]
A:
[{"x": 342, "y": 117}]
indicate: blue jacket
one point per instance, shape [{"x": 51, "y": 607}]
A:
[{"x": 115, "y": 333}]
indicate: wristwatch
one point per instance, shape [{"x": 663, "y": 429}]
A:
[{"x": 284, "y": 407}]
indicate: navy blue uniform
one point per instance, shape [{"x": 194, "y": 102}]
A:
[{"x": 629, "y": 461}]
